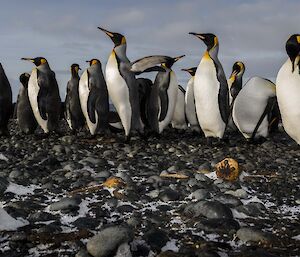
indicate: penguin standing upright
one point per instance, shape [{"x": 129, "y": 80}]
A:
[
  {"x": 73, "y": 112},
  {"x": 122, "y": 85},
  {"x": 235, "y": 84},
  {"x": 253, "y": 106},
  {"x": 93, "y": 96},
  {"x": 25, "y": 117},
  {"x": 5, "y": 102},
  {"x": 211, "y": 90},
  {"x": 43, "y": 95},
  {"x": 288, "y": 89},
  {"x": 145, "y": 87},
  {"x": 179, "y": 119},
  {"x": 167, "y": 84},
  {"x": 190, "y": 108},
  {"x": 235, "y": 81}
]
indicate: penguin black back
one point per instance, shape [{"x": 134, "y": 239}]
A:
[
  {"x": 25, "y": 117},
  {"x": 5, "y": 102}
]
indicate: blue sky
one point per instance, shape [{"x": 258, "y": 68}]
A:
[{"x": 66, "y": 32}]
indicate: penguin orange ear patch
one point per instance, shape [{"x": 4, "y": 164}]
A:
[{"x": 228, "y": 169}]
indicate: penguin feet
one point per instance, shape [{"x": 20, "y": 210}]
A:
[{"x": 209, "y": 141}]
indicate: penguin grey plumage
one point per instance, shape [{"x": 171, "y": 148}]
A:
[
  {"x": 179, "y": 118},
  {"x": 190, "y": 108},
  {"x": 5, "y": 102},
  {"x": 253, "y": 106},
  {"x": 93, "y": 96},
  {"x": 288, "y": 89},
  {"x": 43, "y": 93},
  {"x": 25, "y": 117},
  {"x": 73, "y": 112},
  {"x": 235, "y": 84},
  {"x": 211, "y": 90},
  {"x": 145, "y": 87}
]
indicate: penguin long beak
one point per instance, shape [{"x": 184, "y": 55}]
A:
[
  {"x": 178, "y": 58},
  {"x": 110, "y": 34},
  {"x": 28, "y": 59},
  {"x": 198, "y": 35}
]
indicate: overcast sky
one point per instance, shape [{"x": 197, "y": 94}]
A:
[{"x": 65, "y": 32}]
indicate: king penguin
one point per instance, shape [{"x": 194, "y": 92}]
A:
[
  {"x": 73, "y": 112},
  {"x": 25, "y": 117},
  {"x": 93, "y": 96},
  {"x": 43, "y": 95},
  {"x": 122, "y": 85},
  {"x": 253, "y": 106},
  {"x": 190, "y": 108},
  {"x": 6, "y": 107},
  {"x": 235, "y": 83},
  {"x": 211, "y": 90},
  {"x": 288, "y": 89},
  {"x": 179, "y": 119},
  {"x": 167, "y": 84}
]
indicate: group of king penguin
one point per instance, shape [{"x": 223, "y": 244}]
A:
[{"x": 210, "y": 105}]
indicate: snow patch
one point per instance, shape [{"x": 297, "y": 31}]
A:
[
  {"x": 20, "y": 189},
  {"x": 171, "y": 245},
  {"x": 3, "y": 157},
  {"x": 8, "y": 223}
]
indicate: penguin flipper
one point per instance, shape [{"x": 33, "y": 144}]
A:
[
  {"x": 223, "y": 97},
  {"x": 148, "y": 63},
  {"x": 164, "y": 99},
  {"x": 42, "y": 97},
  {"x": 91, "y": 102},
  {"x": 269, "y": 107}
]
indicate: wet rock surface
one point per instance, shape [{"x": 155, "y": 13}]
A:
[{"x": 53, "y": 189}]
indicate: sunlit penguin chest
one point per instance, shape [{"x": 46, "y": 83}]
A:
[
  {"x": 115, "y": 82},
  {"x": 288, "y": 95},
  {"x": 206, "y": 91}
]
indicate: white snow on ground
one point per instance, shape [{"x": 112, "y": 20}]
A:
[
  {"x": 239, "y": 215},
  {"x": 211, "y": 175},
  {"x": 3, "y": 157},
  {"x": 290, "y": 211},
  {"x": 83, "y": 211},
  {"x": 296, "y": 237},
  {"x": 20, "y": 189},
  {"x": 8, "y": 223},
  {"x": 171, "y": 245}
]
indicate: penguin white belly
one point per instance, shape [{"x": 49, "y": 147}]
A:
[
  {"x": 288, "y": 95},
  {"x": 178, "y": 120},
  {"x": 172, "y": 96},
  {"x": 33, "y": 91},
  {"x": 68, "y": 119},
  {"x": 118, "y": 92},
  {"x": 190, "y": 108},
  {"x": 206, "y": 91},
  {"x": 250, "y": 104},
  {"x": 83, "y": 96}
]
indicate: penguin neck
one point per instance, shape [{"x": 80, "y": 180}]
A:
[
  {"x": 120, "y": 51},
  {"x": 74, "y": 74},
  {"x": 213, "y": 52},
  {"x": 44, "y": 66}
]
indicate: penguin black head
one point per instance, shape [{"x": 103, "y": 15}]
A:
[
  {"x": 209, "y": 39},
  {"x": 238, "y": 69},
  {"x": 192, "y": 71},
  {"x": 93, "y": 61},
  {"x": 37, "y": 61},
  {"x": 169, "y": 63},
  {"x": 293, "y": 48},
  {"x": 24, "y": 78},
  {"x": 75, "y": 67},
  {"x": 117, "y": 38}
]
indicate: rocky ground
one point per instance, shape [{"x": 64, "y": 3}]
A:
[{"x": 54, "y": 200}]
